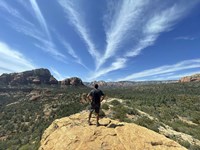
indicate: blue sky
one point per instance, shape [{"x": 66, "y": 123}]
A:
[{"x": 101, "y": 40}]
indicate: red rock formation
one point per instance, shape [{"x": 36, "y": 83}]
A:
[
  {"x": 192, "y": 78},
  {"x": 72, "y": 81},
  {"x": 37, "y": 76}
]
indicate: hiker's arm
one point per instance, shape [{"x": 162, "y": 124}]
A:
[
  {"x": 102, "y": 97},
  {"x": 89, "y": 97}
]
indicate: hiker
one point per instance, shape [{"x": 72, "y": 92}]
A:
[{"x": 96, "y": 96}]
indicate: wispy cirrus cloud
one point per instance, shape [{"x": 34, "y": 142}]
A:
[
  {"x": 118, "y": 64},
  {"x": 124, "y": 21},
  {"x": 14, "y": 13},
  {"x": 12, "y": 60},
  {"x": 175, "y": 76},
  {"x": 160, "y": 22},
  {"x": 145, "y": 32},
  {"x": 185, "y": 38},
  {"x": 77, "y": 20},
  {"x": 183, "y": 65},
  {"x": 18, "y": 22},
  {"x": 72, "y": 52},
  {"x": 40, "y": 17},
  {"x": 57, "y": 75},
  {"x": 48, "y": 45}
]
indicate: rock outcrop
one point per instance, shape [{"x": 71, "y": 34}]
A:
[
  {"x": 74, "y": 81},
  {"x": 73, "y": 132},
  {"x": 192, "y": 78},
  {"x": 37, "y": 76}
]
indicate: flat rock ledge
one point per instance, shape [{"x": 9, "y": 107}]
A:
[{"x": 73, "y": 133}]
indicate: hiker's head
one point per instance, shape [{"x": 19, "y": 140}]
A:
[{"x": 96, "y": 86}]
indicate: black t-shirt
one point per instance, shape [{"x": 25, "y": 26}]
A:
[{"x": 96, "y": 96}]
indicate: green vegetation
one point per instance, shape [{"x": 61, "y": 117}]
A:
[
  {"x": 162, "y": 101},
  {"x": 105, "y": 106},
  {"x": 23, "y": 123}
]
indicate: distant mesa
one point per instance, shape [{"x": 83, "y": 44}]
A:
[
  {"x": 36, "y": 77},
  {"x": 43, "y": 76},
  {"x": 122, "y": 84},
  {"x": 192, "y": 78},
  {"x": 72, "y": 81}
]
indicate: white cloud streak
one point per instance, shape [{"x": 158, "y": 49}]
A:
[
  {"x": 185, "y": 38},
  {"x": 40, "y": 17},
  {"x": 57, "y": 75},
  {"x": 78, "y": 22},
  {"x": 125, "y": 20},
  {"x": 71, "y": 51},
  {"x": 184, "y": 65},
  {"x": 162, "y": 20},
  {"x": 14, "y": 13},
  {"x": 119, "y": 63},
  {"x": 24, "y": 26},
  {"x": 174, "y": 77},
  {"x": 12, "y": 60}
]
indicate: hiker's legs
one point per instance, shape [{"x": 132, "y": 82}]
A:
[
  {"x": 98, "y": 118},
  {"x": 97, "y": 113},
  {"x": 89, "y": 117}
]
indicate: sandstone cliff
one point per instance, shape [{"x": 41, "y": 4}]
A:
[
  {"x": 73, "y": 132},
  {"x": 192, "y": 78},
  {"x": 72, "y": 81},
  {"x": 36, "y": 76}
]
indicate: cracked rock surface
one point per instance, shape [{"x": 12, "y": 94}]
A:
[{"x": 73, "y": 132}]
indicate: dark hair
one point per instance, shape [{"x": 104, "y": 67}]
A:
[{"x": 96, "y": 86}]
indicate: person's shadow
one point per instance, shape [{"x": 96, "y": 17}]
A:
[{"x": 112, "y": 125}]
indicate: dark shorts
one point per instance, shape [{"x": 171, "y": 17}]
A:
[{"x": 95, "y": 108}]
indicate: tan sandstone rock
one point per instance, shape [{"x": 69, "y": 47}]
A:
[
  {"x": 192, "y": 78},
  {"x": 73, "y": 132}
]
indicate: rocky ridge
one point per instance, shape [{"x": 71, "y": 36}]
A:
[
  {"x": 192, "y": 78},
  {"x": 36, "y": 77},
  {"x": 104, "y": 84},
  {"x": 73, "y": 132}
]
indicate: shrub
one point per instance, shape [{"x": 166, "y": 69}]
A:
[
  {"x": 148, "y": 123},
  {"x": 115, "y": 103},
  {"x": 185, "y": 144},
  {"x": 101, "y": 113},
  {"x": 105, "y": 106},
  {"x": 120, "y": 112},
  {"x": 133, "y": 111}
]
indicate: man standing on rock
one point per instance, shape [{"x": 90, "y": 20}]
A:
[{"x": 96, "y": 96}]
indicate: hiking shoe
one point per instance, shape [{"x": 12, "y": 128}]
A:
[{"x": 98, "y": 124}]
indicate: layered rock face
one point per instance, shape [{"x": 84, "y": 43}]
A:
[
  {"x": 73, "y": 132},
  {"x": 37, "y": 76},
  {"x": 72, "y": 81},
  {"x": 192, "y": 78}
]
